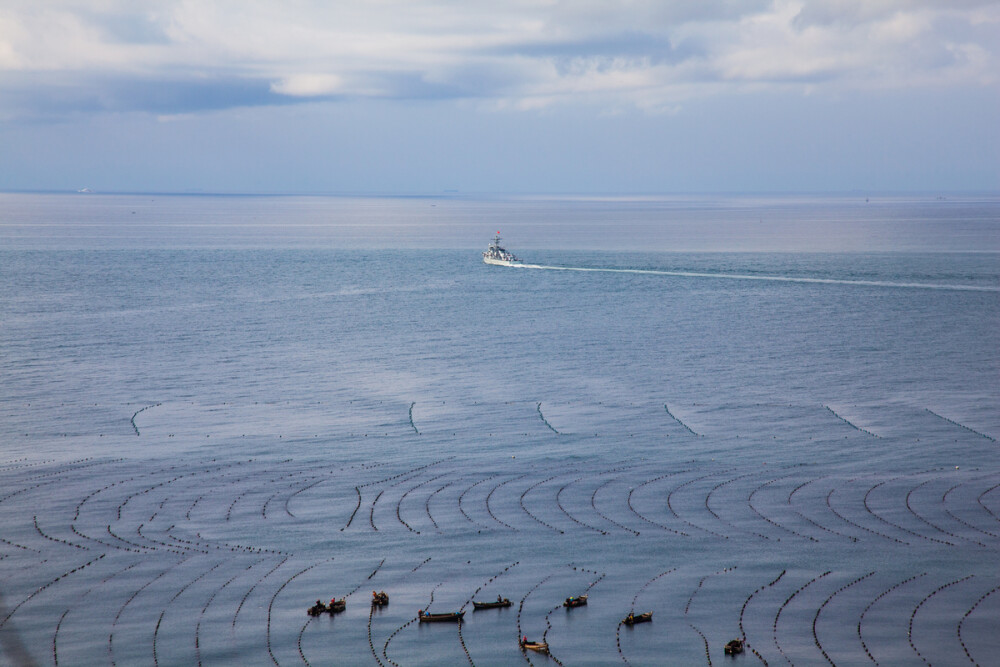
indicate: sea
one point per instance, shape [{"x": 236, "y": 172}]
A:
[{"x": 765, "y": 418}]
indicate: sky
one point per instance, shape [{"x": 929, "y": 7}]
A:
[{"x": 500, "y": 96}]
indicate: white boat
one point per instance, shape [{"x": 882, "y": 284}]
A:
[{"x": 497, "y": 254}]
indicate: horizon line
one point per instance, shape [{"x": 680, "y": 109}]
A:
[{"x": 460, "y": 194}]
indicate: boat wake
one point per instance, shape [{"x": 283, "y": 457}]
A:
[{"x": 773, "y": 278}]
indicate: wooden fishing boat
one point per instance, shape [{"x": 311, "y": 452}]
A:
[
  {"x": 450, "y": 617},
  {"x": 632, "y": 619},
  {"x": 539, "y": 647},
  {"x": 734, "y": 647},
  {"x": 575, "y": 601},
  {"x": 491, "y": 605},
  {"x": 380, "y": 599},
  {"x": 335, "y": 607}
]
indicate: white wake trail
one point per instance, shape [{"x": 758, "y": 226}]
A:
[{"x": 784, "y": 279}]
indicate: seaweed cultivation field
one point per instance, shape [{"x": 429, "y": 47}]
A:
[
  {"x": 197, "y": 560},
  {"x": 200, "y": 442}
]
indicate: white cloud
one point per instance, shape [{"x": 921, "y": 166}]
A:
[
  {"x": 519, "y": 53},
  {"x": 308, "y": 85}
]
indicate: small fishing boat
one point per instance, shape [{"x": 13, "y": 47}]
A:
[
  {"x": 500, "y": 602},
  {"x": 449, "y": 617},
  {"x": 632, "y": 619},
  {"x": 335, "y": 607},
  {"x": 575, "y": 601},
  {"x": 380, "y": 599},
  {"x": 539, "y": 647},
  {"x": 734, "y": 647}
]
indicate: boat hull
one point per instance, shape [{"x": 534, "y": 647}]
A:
[
  {"x": 499, "y": 262},
  {"x": 640, "y": 618},
  {"x": 490, "y": 605},
  {"x": 442, "y": 618}
]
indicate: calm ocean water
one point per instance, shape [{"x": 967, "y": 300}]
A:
[{"x": 769, "y": 418}]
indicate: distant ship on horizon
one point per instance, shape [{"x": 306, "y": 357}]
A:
[{"x": 498, "y": 255}]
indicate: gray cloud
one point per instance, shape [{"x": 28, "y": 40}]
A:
[
  {"x": 53, "y": 95},
  {"x": 629, "y": 44}
]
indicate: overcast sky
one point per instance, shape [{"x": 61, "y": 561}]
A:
[{"x": 420, "y": 96}]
